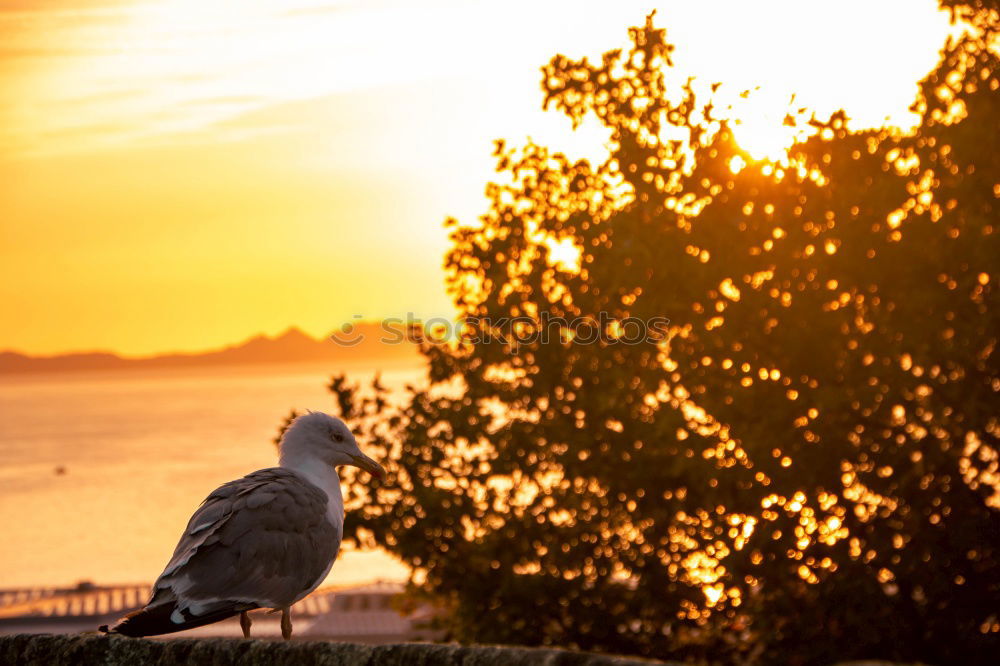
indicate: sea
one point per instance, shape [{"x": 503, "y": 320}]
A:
[{"x": 100, "y": 471}]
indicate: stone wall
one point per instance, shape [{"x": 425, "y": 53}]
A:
[{"x": 84, "y": 649}]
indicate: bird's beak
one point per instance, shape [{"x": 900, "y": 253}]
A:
[{"x": 369, "y": 465}]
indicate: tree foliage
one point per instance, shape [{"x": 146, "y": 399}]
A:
[{"x": 805, "y": 470}]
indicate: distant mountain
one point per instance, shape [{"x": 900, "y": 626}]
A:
[{"x": 368, "y": 341}]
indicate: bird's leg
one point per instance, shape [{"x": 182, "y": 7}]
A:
[
  {"x": 286, "y": 623},
  {"x": 245, "y": 623}
]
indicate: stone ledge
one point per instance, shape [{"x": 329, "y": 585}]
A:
[{"x": 84, "y": 649}]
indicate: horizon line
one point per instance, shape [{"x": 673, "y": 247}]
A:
[{"x": 291, "y": 328}]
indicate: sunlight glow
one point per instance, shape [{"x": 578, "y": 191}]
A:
[
  {"x": 763, "y": 135},
  {"x": 564, "y": 254},
  {"x": 223, "y": 157}
]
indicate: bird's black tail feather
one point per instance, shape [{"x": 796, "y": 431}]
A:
[{"x": 155, "y": 620}]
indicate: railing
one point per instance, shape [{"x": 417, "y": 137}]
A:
[{"x": 86, "y": 600}]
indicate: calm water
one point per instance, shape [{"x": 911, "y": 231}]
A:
[{"x": 140, "y": 451}]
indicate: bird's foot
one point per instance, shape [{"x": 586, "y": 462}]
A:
[
  {"x": 245, "y": 623},
  {"x": 286, "y": 623}
]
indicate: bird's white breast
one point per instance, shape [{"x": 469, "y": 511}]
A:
[{"x": 325, "y": 478}]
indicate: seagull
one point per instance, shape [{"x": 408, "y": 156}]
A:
[{"x": 264, "y": 541}]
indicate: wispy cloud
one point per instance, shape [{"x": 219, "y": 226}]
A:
[
  {"x": 175, "y": 169},
  {"x": 157, "y": 67}
]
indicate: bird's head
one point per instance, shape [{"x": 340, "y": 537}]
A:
[{"x": 320, "y": 437}]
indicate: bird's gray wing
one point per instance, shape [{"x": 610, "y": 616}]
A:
[{"x": 260, "y": 541}]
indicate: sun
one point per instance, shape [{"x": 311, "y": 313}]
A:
[
  {"x": 764, "y": 139},
  {"x": 766, "y": 123}
]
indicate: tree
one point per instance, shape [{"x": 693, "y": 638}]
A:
[{"x": 804, "y": 470}]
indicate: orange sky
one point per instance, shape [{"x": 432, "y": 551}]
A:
[{"x": 181, "y": 174}]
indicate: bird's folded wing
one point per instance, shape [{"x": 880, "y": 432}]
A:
[{"x": 264, "y": 539}]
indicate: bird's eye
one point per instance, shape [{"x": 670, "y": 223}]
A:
[{"x": 337, "y": 437}]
